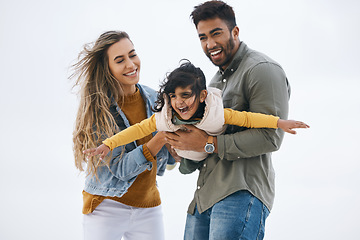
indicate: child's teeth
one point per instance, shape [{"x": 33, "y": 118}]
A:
[{"x": 183, "y": 109}]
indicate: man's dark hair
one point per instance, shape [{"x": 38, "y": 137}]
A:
[{"x": 214, "y": 9}]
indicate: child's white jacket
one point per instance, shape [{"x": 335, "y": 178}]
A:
[{"x": 212, "y": 122}]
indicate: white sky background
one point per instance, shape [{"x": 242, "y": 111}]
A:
[{"x": 317, "y": 171}]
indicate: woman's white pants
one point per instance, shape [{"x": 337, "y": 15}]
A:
[{"x": 112, "y": 220}]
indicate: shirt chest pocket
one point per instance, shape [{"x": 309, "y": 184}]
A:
[{"x": 236, "y": 101}]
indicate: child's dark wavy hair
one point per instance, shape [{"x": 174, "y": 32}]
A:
[{"x": 185, "y": 75}]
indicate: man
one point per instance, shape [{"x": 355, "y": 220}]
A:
[{"x": 235, "y": 189}]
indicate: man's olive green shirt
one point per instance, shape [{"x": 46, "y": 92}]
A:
[{"x": 252, "y": 82}]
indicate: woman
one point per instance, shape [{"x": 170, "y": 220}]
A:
[{"x": 120, "y": 196}]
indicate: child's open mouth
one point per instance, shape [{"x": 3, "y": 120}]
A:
[{"x": 184, "y": 109}]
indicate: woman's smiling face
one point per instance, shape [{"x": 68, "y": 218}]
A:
[
  {"x": 124, "y": 64},
  {"x": 184, "y": 101}
]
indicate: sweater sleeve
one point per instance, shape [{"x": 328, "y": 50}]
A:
[
  {"x": 147, "y": 154},
  {"x": 249, "y": 119},
  {"x": 132, "y": 133}
]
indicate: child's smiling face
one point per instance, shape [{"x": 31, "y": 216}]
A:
[{"x": 184, "y": 101}]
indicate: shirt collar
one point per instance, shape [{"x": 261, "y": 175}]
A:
[{"x": 234, "y": 64}]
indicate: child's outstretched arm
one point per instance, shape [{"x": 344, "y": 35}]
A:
[
  {"x": 128, "y": 135},
  {"x": 288, "y": 125},
  {"x": 132, "y": 133},
  {"x": 259, "y": 120},
  {"x": 101, "y": 150},
  {"x": 249, "y": 119}
]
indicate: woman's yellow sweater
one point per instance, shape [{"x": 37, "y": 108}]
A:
[{"x": 143, "y": 192}]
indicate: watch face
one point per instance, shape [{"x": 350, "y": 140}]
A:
[{"x": 209, "y": 148}]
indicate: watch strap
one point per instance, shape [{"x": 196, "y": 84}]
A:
[{"x": 210, "y": 139}]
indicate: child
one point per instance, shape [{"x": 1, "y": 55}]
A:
[{"x": 184, "y": 99}]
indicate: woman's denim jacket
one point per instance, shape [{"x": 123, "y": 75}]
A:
[{"x": 122, "y": 172}]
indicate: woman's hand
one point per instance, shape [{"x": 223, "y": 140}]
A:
[
  {"x": 288, "y": 125},
  {"x": 156, "y": 143},
  {"x": 101, "y": 150}
]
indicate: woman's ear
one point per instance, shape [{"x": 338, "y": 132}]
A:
[{"x": 203, "y": 95}]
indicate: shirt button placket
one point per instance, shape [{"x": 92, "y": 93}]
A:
[{"x": 201, "y": 175}]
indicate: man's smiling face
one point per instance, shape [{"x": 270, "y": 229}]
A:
[{"x": 217, "y": 41}]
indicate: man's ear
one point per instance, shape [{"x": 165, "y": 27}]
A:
[
  {"x": 203, "y": 95},
  {"x": 235, "y": 32}
]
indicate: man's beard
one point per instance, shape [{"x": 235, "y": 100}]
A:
[{"x": 227, "y": 53}]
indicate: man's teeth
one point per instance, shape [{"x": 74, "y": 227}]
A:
[
  {"x": 131, "y": 73},
  {"x": 216, "y": 52}
]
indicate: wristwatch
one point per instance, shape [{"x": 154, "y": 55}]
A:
[{"x": 210, "y": 147}]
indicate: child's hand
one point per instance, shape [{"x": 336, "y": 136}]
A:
[
  {"x": 288, "y": 125},
  {"x": 103, "y": 150}
]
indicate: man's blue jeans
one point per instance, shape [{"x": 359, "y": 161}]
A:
[{"x": 238, "y": 216}]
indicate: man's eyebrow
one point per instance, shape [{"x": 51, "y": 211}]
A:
[
  {"x": 121, "y": 56},
  {"x": 215, "y": 29},
  {"x": 211, "y": 32}
]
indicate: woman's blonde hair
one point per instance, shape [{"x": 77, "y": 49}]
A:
[{"x": 94, "y": 121}]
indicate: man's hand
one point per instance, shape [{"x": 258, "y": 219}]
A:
[
  {"x": 192, "y": 139},
  {"x": 173, "y": 152}
]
